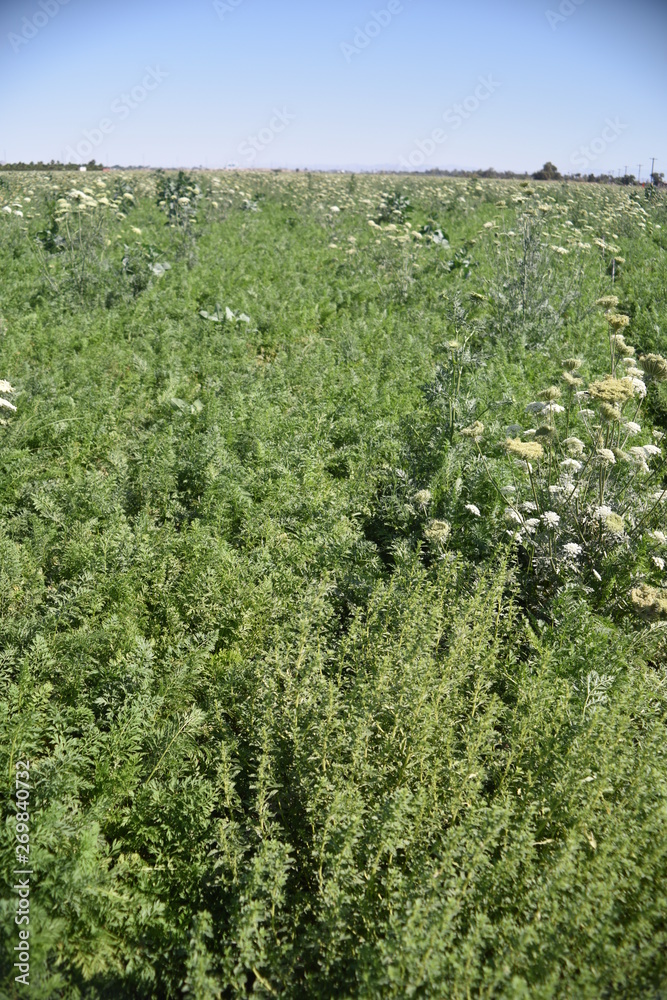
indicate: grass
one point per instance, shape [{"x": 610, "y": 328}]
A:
[{"x": 281, "y": 743}]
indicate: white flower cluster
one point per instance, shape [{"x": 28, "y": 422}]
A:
[
  {"x": 5, "y": 388},
  {"x": 585, "y": 494}
]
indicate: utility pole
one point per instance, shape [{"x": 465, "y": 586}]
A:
[
  {"x": 639, "y": 173},
  {"x": 652, "y": 166}
]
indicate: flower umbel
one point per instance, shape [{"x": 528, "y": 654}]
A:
[{"x": 529, "y": 451}]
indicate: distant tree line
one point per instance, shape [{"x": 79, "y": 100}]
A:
[
  {"x": 549, "y": 172},
  {"x": 53, "y": 165}
]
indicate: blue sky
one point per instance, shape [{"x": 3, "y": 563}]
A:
[{"x": 350, "y": 83}]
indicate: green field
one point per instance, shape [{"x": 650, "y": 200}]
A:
[{"x": 333, "y": 681}]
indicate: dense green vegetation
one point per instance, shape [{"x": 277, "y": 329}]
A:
[{"x": 312, "y": 708}]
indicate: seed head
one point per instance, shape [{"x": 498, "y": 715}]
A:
[
  {"x": 437, "y": 532},
  {"x": 529, "y": 451},
  {"x": 607, "y": 302},
  {"x": 655, "y": 367},
  {"x": 610, "y": 414},
  {"x": 475, "y": 431},
  {"x": 611, "y": 390},
  {"x": 572, "y": 364},
  {"x": 649, "y": 602},
  {"x": 550, "y": 394},
  {"x": 617, "y": 321}
]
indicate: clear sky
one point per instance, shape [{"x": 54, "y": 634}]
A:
[{"x": 350, "y": 83}]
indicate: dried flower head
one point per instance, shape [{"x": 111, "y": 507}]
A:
[
  {"x": 649, "y": 602},
  {"x": 570, "y": 379},
  {"x": 655, "y": 367},
  {"x": 611, "y": 390},
  {"x": 607, "y": 302},
  {"x": 617, "y": 321},
  {"x": 610, "y": 414},
  {"x": 550, "y": 394},
  {"x": 572, "y": 364},
  {"x": 622, "y": 349},
  {"x": 529, "y": 451},
  {"x": 475, "y": 431},
  {"x": 437, "y": 532}
]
